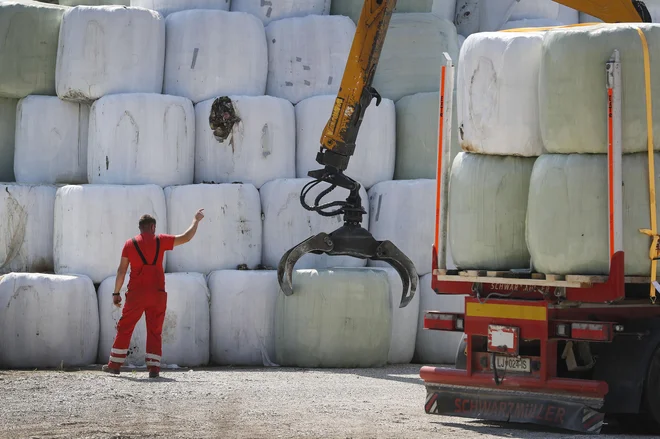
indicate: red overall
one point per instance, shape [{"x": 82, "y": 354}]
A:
[{"x": 146, "y": 295}]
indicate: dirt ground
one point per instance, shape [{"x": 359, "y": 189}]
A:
[{"x": 236, "y": 403}]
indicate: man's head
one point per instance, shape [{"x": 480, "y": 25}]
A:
[{"x": 147, "y": 224}]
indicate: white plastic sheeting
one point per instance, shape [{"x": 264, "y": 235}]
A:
[
  {"x": 353, "y": 8},
  {"x": 95, "y": 2},
  {"x": 404, "y": 320},
  {"x": 92, "y": 223},
  {"x": 212, "y": 53},
  {"x": 47, "y": 321},
  {"x": 467, "y": 17},
  {"x": 567, "y": 220},
  {"x": 572, "y": 101},
  {"x": 493, "y": 14},
  {"x": 375, "y": 149},
  {"x": 229, "y": 235},
  {"x": 436, "y": 347},
  {"x": 26, "y": 227},
  {"x": 260, "y": 147},
  {"x": 335, "y": 318},
  {"x": 487, "y": 209},
  {"x": 242, "y": 317},
  {"x": 30, "y": 31},
  {"x": 51, "y": 141},
  {"x": 287, "y": 223},
  {"x": 7, "y": 137},
  {"x": 269, "y": 11},
  {"x": 403, "y": 212},
  {"x": 186, "y": 328},
  {"x": 443, "y": 8},
  {"x": 167, "y": 7},
  {"x": 307, "y": 55},
  {"x": 497, "y": 90},
  {"x": 530, "y": 22},
  {"x": 412, "y": 54},
  {"x": 109, "y": 49},
  {"x": 141, "y": 138}
]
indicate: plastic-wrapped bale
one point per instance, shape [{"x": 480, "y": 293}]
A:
[
  {"x": 529, "y": 23},
  {"x": 497, "y": 90},
  {"x": 92, "y": 223},
  {"x": 141, "y": 138},
  {"x": 51, "y": 141},
  {"x": 412, "y": 54},
  {"x": 443, "y": 8},
  {"x": 109, "y": 49},
  {"x": 403, "y": 212},
  {"x": 287, "y": 223},
  {"x": 461, "y": 40},
  {"x": 255, "y": 144},
  {"x": 373, "y": 160},
  {"x": 417, "y": 135},
  {"x": 26, "y": 228},
  {"x": 335, "y": 318},
  {"x": 467, "y": 17},
  {"x": 242, "y": 317},
  {"x": 47, "y": 321},
  {"x": 7, "y": 138},
  {"x": 215, "y": 53},
  {"x": 572, "y": 100},
  {"x": 95, "y": 2},
  {"x": 307, "y": 55},
  {"x": 230, "y": 234},
  {"x": 486, "y": 211},
  {"x": 167, "y": 7},
  {"x": 30, "y": 32},
  {"x": 280, "y": 9},
  {"x": 567, "y": 225},
  {"x": 494, "y": 14},
  {"x": 436, "y": 347},
  {"x": 353, "y": 8},
  {"x": 186, "y": 328},
  {"x": 404, "y": 321}
]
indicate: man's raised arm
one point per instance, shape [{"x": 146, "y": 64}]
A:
[{"x": 188, "y": 235}]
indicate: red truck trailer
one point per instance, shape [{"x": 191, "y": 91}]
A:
[{"x": 560, "y": 351}]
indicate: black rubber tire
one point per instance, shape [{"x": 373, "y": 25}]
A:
[
  {"x": 461, "y": 355},
  {"x": 650, "y": 416}
]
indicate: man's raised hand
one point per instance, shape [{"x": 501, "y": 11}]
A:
[{"x": 199, "y": 215}]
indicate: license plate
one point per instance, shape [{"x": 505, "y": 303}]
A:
[
  {"x": 512, "y": 364},
  {"x": 503, "y": 339}
]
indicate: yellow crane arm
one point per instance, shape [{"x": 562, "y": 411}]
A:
[{"x": 611, "y": 11}]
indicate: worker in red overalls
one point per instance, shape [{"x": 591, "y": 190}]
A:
[{"x": 146, "y": 291}]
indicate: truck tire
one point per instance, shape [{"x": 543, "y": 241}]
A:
[
  {"x": 651, "y": 396},
  {"x": 461, "y": 354}
]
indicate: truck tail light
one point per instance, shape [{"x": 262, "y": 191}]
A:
[
  {"x": 591, "y": 331},
  {"x": 443, "y": 322}
]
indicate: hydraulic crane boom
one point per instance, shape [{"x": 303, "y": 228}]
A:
[{"x": 341, "y": 131}]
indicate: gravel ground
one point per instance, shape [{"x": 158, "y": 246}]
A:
[{"x": 235, "y": 403}]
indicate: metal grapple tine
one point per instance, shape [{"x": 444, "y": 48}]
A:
[
  {"x": 317, "y": 243},
  {"x": 390, "y": 253}
]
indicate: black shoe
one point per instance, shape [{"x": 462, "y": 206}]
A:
[
  {"x": 154, "y": 374},
  {"x": 109, "y": 369}
]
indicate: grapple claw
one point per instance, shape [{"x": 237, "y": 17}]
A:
[{"x": 316, "y": 244}]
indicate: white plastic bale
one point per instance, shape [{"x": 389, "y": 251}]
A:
[
  {"x": 47, "y": 321},
  {"x": 186, "y": 328},
  {"x": 412, "y": 54},
  {"x": 7, "y": 138},
  {"x": 287, "y": 223},
  {"x": 307, "y": 55},
  {"x": 109, "y": 49},
  {"x": 404, "y": 320},
  {"x": 461, "y": 40},
  {"x": 403, "y": 212},
  {"x": 443, "y": 8},
  {"x": 92, "y": 223},
  {"x": 167, "y": 7},
  {"x": 467, "y": 17},
  {"x": 213, "y": 53},
  {"x": 493, "y": 14},
  {"x": 497, "y": 90},
  {"x": 26, "y": 228},
  {"x": 95, "y": 2},
  {"x": 335, "y": 318},
  {"x": 375, "y": 148},
  {"x": 353, "y": 8},
  {"x": 486, "y": 211},
  {"x": 51, "y": 141},
  {"x": 141, "y": 138},
  {"x": 573, "y": 94},
  {"x": 567, "y": 219},
  {"x": 529, "y": 23},
  {"x": 277, "y": 10},
  {"x": 230, "y": 234},
  {"x": 30, "y": 32},
  {"x": 242, "y": 317},
  {"x": 260, "y": 147},
  {"x": 436, "y": 347}
]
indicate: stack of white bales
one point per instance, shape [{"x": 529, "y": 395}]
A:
[
  {"x": 567, "y": 219},
  {"x": 352, "y": 8},
  {"x": 167, "y": 7}
]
